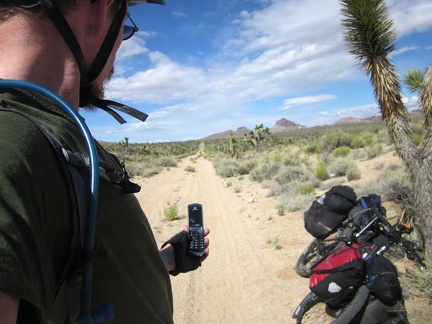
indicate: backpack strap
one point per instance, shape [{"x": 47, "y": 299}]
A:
[
  {"x": 71, "y": 275},
  {"x": 66, "y": 306}
]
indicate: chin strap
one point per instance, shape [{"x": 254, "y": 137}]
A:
[{"x": 110, "y": 105}]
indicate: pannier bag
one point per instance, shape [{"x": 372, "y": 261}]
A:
[
  {"x": 382, "y": 279},
  {"x": 337, "y": 273},
  {"x": 329, "y": 211}
]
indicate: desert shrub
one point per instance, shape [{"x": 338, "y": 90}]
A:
[
  {"x": 288, "y": 174},
  {"x": 305, "y": 189},
  {"x": 416, "y": 286},
  {"x": 359, "y": 154},
  {"x": 171, "y": 212},
  {"x": 313, "y": 146},
  {"x": 264, "y": 171},
  {"x": 246, "y": 167},
  {"x": 320, "y": 171},
  {"x": 342, "y": 151},
  {"x": 394, "y": 185},
  {"x": 226, "y": 168},
  {"x": 417, "y": 138},
  {"x": 353, "y": 173},
  {"x": 189, "y": 168},
  {"x": 166, "y": 161},
  {"x": 357, "y": 142},
  {"x": 281, "y": 212},
  {"x": 292, "y": 202},
  {"x": 144, "y": 169},
  {"x": 296, "y": 158},
  {"x": 374, "y": 151},
  {"x": 340, "y": 166}
]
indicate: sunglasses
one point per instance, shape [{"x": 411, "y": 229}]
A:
[{"x": 129, "y": 30}]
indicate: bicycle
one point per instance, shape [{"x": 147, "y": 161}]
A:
[{"x": 316, "y": 310}]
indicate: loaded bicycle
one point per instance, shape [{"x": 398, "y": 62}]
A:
[{"x": 367, "y": 232}]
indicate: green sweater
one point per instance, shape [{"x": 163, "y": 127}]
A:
[{"x": 36, "y": 221}]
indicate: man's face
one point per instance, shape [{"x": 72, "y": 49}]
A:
[{"x": 99, "y": 84}]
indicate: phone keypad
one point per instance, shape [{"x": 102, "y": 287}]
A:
[{"x": 197, "y": 241}]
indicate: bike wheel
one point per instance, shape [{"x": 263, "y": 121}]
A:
[
  {"x": 314, "y": 310},
  {"x": 317, "y": 249}
]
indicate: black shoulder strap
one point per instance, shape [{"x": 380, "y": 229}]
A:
[{"x": 66, "y": 304}]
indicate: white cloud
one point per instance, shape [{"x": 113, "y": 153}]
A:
[
  {"x": 303, "y": 101},
  {"x": 273, "y": 53}
]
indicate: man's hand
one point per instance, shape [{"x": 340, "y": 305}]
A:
[
  {"x": 175, "y": 254},
  {"x": 8, "y": 308}
]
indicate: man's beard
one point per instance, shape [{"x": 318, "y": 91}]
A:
[{"x": 98, "y": 90}]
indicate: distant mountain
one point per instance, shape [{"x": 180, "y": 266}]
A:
[
  {"x": 226, "y": 134},
  {"x": 348, "y": 120},
  {"x": 375, "y": 118},
  {"x": 283, "y": 125}
]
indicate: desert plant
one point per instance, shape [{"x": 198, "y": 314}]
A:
[
  {"x": 342, "y": 151},
  {"x": 256, "y": 136},
  {"x": 320, "y": 171},
  {"x": 281, "y": 212},
  {"x": 226, "y": 168},
  {"x": 171, "y": 212},
  {"x": 189, "y": 168},
  {"x": 370, "y": 36},
  {"x": 166, "y": 161},
  {"x": 340, "y": 166},
  {"x": 353, "y": 173},
  {"x": 264, "y": 171},
  {"x": 305, "y": 189},
  {"x": 374, "y": 151}
]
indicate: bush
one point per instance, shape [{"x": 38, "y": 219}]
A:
[
  {"x": 342, "y": 151},
  {"x": 353, "y": 173},
  {"x": 287, "y": 174},
  {"x": 340, "y": 166},
  {"x": 166, "y": 162},
  {"x": 264, "y": 171},
  {"x": 292, "y": 202},
  {"x": 189, "y": 168},
  {"x": 320, "y": 171},
  {"x": 246, "y": 167},
  {"x": 357, "y": 142},
  {"x": 305, "y": 189},
  {"x": 226, "y": 168},
  {"x": 171, "y": 212},
  {"x": 374, "y": 151}
]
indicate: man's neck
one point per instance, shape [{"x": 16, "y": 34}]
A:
[{"x": 39, "y": 57}]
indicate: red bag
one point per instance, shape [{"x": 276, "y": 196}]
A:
[{"x": 333, "y": 276}]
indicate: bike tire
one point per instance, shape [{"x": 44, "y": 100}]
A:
[
  {"x": 355, "y": 307},
  {"x": 314, "y": 310},
  {"x": 316, "y": 250}
]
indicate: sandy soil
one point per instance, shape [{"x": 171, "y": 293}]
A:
[{"x": 249, "y": 276}]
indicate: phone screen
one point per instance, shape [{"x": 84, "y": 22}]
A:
[{"x": 195, "y": 216}]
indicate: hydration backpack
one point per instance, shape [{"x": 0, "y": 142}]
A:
[{"x": 66, "y": 306}]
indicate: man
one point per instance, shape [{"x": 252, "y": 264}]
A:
[{"x": 69, "y": 47}]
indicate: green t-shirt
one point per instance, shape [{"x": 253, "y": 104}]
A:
[{"x": 36, "y": 221}]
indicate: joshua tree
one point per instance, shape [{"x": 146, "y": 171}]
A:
[
  {"x": 257, "y": 135},
  {"x": 370, "y": 37}
]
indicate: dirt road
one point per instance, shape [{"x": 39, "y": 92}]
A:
[{"x": 249, "y": 276}]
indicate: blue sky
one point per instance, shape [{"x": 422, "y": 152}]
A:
[{"x": 199, "y": 67}]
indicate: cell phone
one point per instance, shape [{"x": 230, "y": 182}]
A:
[{"x": 196, "y": 227}]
